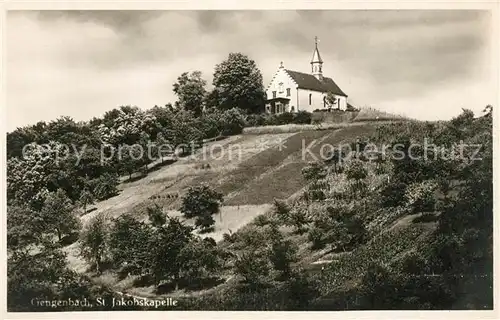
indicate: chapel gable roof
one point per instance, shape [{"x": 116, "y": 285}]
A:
[{"x": 310, "y": 82}]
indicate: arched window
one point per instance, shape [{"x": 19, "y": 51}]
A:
[
  {"x": 310, "y": 98},
  {"x": 292, "y": 109},
  {"x": 281, "y": 87}
]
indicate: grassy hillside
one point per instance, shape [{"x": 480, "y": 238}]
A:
[
  {"x": 372, "y": 114},
  {"x": 260, "y": 169},
  {"x": 402, "y": 253}
]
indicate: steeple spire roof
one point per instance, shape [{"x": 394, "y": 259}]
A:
[{"x": 316, "y": 56}]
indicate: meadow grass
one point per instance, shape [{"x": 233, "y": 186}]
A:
[
  {"x": 287, "y": 128},
  {"x": 371, "y": 114},
  {"x": 290, "y": 128}
]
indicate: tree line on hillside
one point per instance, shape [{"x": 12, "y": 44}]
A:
[{"x": 86, "y": 158}]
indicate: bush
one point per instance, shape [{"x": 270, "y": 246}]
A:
[
  {"x": 316, "y": 195},
  {"x": 201, "y": 202},
  {"x": 298, "y": 218},
  {"x": 315, "y": 236},
  {"x": 285, "y": 118},
  {"x": 233, "y": 121},
  {"x": 156, "y": 216},
  {"x": 256, "y": 120},
  {"x": 420, "y": 196},
  {"x": 105, "y": 186},
  {"x": 301, "y": 290},
  {"x": 262, "y": 220},
  {"x": 253, "y": 267},
  {"x": 282, "y": 254},
  {"x": 338, "y": 227},
  {"x": 230, "y": 237},
  {"x": 302, "y": 117},
  {"x": 314, "y": 171},
  {"x": 393, "y": 194},
  {"x": 356, "y": 170},
  {"x": 281, "y": 210},
  {"x": 205, "y": 223}
]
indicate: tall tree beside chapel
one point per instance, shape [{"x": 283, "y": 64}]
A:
[{"x": 238, "y": 84}]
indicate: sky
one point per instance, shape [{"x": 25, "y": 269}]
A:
[{"x": 423, "y": 64}]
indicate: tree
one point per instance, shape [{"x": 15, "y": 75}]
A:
[
  {"x": 58, "y": 215},
  {"x": 253, "y": 267},
  {"x": 156, "y": 216},
  {"x": 301, "y": 290},
  {"x": 200, "y": 258},
  {"x": 205, "y": 222},
  {"x": 105, "y": 186},
  {"x": 357, "y": 172},
  {"x": 34, "y": 276},
  {"x": 282, "y": 253},
  {"x": 27, "y": 178},
  {"x": 86, "y": 198},
  {"x": 238, "y": 83},
  {"x": 299, "y": 219},
  {"x": 131, "y": 158},
  {"x": 420, "y": 196},
  {"x": 184, "y": 132},
  {"x": 94, "y": 241},
  {"x": 201, "y": 202},
  {"x": 125, "y": 126},
  {"x": 281, "y": 210},
  {"x": 331, "y": 100},
  {"x": 488, "y": 111},
  {"x": 24, "y": 227},
  {"x": 336, "y": 157},
  {"x": 339, "y": 228},
  {"x": 162, "y": 143},
  {"x": 129, "y": 244},
  {"x": 165, "y": 247},
  {"x": 377, "y": 287},
  {"x": 190, "y": 89}
]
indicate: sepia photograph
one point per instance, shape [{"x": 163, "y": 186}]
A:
[{"x": 249, "y": 160}]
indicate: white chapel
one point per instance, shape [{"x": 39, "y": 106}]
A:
[{"x": 293, "y": 91}]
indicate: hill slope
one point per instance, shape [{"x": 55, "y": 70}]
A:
[{"x": 250, "y": 170}]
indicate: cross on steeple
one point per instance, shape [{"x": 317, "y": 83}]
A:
[{"x": 316, "y": 62}]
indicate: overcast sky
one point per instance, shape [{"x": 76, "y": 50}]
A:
[{"x": 425, "y": 64}]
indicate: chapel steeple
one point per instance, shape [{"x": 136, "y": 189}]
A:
[{"x": 317, "y": 62}]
